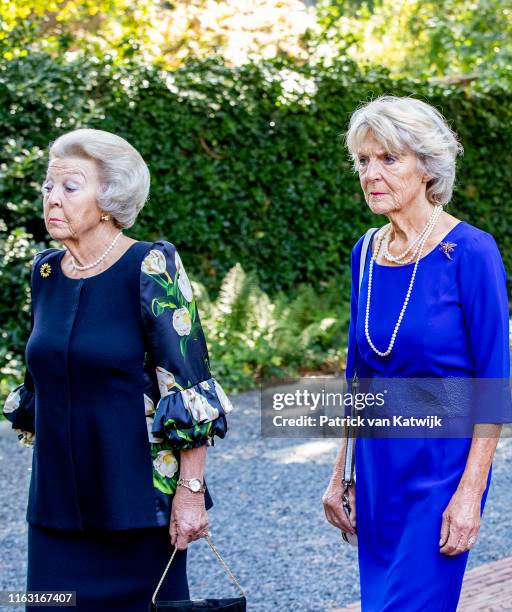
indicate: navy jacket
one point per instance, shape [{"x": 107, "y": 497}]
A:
[{"x": 117, "y": 382}]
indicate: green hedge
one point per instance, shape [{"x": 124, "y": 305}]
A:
[{"x": 245, "y": 167}]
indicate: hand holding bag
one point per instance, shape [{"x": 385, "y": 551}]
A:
[
  {"x": 232, "y": 604},
  {"x": 351, "y": 432}
]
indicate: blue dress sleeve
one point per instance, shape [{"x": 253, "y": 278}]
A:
[
  {"x": 363, "y": 370},
  {"x": 191, "y": 406},
  {"x": 19, "y": 407},
  {"x": 354, "y": 291},
  {"x": 484, "y": 302}
]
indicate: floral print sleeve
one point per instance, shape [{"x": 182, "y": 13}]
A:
[
  {"x": 189, "y": 408},
  {"x": 19, "y": 407},
  {"x": 19, "y": 410}
]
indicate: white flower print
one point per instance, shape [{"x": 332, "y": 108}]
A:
[
  {"x": 223, "y": 398},
  {"x": 154, "y": 262},
  {"x": 183, "y": 280},
  {"x": 166, "y": 381},
  {"x": 165, "y": 464},
  {"x": 181, "y": 321},
  {"x": 12, "y": 402},
  {"x": 153, "y": 439},
  {"x": 149, "y": 407},
  {"x": 198, "y": 406}
]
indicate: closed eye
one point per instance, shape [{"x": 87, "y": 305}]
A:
[{"x": 47, "y": 187}]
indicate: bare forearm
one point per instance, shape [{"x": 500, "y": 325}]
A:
[
  {"x": 339, "y": 464},
  {"x": 192, "y": 462},
  {"x": 480, "y": 457}
]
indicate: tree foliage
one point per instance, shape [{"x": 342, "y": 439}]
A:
[
  {"x": 421, "y": 38},
  {"x": 247, "y": 164},
  {"x": 248, "y": 168},
  {"x": 158, "y": 32},
  {"x": 411, "y": 38}
]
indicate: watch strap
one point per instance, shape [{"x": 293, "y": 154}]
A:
[{"x": 185, "y": 482}]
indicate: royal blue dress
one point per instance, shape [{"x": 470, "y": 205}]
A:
[
  {"x": 456, "y": 325},
  {"x": 117, "y": 384}
]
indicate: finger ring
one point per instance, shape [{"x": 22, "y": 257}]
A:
[{"x": 471, "y": 540}]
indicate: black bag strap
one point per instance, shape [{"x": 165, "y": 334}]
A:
[
  {"x": 348, "y": 469},
  {"x": 216, "y": 553}
]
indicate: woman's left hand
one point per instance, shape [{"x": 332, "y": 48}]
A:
[
  {"x": 189, "y": 519},
  {"x": 461, "y": 522}
]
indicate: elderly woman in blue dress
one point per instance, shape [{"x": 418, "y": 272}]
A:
[
  {"x": 432, "y": 303},
  {"x": 118, "y": 399}
]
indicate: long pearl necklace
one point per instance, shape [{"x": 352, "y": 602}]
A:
[
  {"x": 402, "y": 259},
  {"x": 99, "y": 260},
  {"x": 407, "y": 296}
]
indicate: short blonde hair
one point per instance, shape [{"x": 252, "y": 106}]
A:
[
  {"x": 405, "y": 123},
  {"x": 124, "y": 175}
]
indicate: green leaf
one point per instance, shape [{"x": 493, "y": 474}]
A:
[
  {"x": 183, "y": 345},
  {"x": 166, "y": 485},
  {"x": 158, "y": 306},
  {"x": 184, "y": 436},
  {"x": 158, "y": 279},
  {"x": 192, "y": 309}
]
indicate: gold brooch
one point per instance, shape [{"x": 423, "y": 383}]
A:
[
  {"x": 447, "y": 248},
  {"x": 45, "y": 270}
]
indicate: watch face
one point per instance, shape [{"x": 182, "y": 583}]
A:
[{"x": 195, "y": 485}]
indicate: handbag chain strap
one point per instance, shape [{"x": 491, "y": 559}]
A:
[
  {"x": 348, "y": 469},
  {"x": 220, "y": 559},
  {"x": 224, "y": 564}
]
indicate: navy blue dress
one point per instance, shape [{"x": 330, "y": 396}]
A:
[
  {"x": 456, "y": 325},
  {"x": 117, "y": 383}
]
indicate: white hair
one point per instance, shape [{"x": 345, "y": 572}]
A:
[
  {"x": 405, "y": 123},
  {"x": 124, "y": 175}
]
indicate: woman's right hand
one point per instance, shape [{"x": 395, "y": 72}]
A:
[
  {"x": 189, "y": 518},
  {"x": 333, "y": 506}
]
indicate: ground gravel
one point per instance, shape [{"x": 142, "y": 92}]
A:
[{"x": 267, "y": 520}]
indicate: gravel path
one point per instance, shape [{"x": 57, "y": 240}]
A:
[{"x": 267, "y": 520}]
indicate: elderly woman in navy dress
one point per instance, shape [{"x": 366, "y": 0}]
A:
[
  {"x": 118, "y": 399},
  {"x": 432, "y": 303}
]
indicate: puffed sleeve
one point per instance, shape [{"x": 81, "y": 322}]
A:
[
  {"x": 484, "y": 304},
  {"x": 19, "y": 407},
  {"x": 19, "y": 410},
  {"x": 192, "y": 405}
]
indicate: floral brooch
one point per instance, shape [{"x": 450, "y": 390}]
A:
[
  {"x": 45, "y": 270},
  {"x": 447, "y": 248}
]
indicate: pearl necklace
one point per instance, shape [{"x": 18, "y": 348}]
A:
[
  {"x": 99, "y": 260},
  {"x": 407, "y": 296},
  {"x": 402, "y": 259}
]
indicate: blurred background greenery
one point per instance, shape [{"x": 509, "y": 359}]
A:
[{"x": 239, "y": 108}]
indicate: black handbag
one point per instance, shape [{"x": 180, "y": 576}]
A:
[{"x": 230, "y": 604}]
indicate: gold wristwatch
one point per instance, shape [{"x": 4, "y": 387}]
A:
[{"x": 194, "y": 484}]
